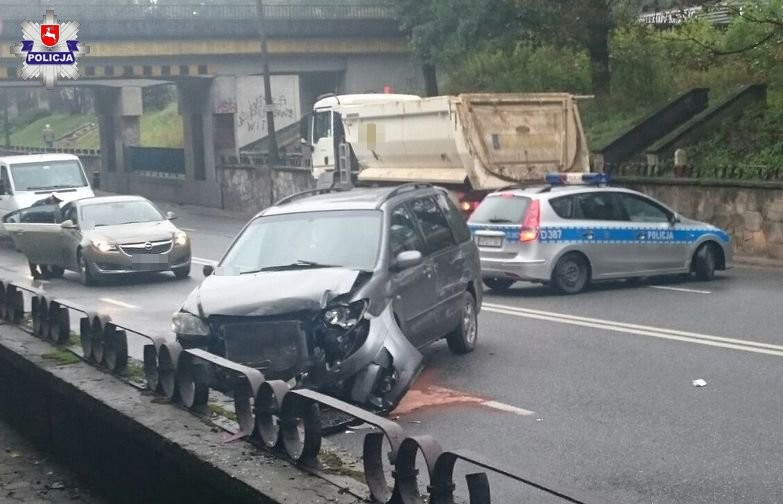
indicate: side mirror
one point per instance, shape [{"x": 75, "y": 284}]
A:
[
  {"x": 69, "y": 225},
  {"x": 171, "y": 215},
  {"x": 674, "y": 219},
  {"x": 407, "y": 259},
  {"x": 303, "y": 141},
  {"x": 208, "y": 269}
]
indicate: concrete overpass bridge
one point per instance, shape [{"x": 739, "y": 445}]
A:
[{"x": 212, "y": 54}]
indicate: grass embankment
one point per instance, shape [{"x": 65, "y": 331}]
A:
[{"x": 160, "y": 128}]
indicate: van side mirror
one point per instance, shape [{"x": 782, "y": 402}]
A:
[
  {"x": 208, "y": 269},
  {"x": 69, "y": 225},
  {"x": 171, "y": 215},
  {"x": 407, "y": 259}
]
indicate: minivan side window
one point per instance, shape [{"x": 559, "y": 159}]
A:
[
  {"x": 433, "y": 223},
  {"x": 403, "y": 235},
  {"x": 453, "y": 215}
]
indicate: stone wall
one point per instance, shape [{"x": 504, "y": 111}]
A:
[
  {"x": 752, "y": 212},
  {"x": 250, "y": 189}
]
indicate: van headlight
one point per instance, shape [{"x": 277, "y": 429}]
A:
[{"x": 187, "y": 324}]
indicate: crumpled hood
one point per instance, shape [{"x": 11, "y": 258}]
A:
[{"x": 270, "y": 292}]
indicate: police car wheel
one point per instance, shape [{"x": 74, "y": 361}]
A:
[
  {"x": 498, "y": 284},
  {"x": 571, "y": 274},
  {"x": 704, "y": 263}
]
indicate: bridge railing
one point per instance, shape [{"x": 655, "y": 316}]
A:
[{"x": 121, "y": 13}]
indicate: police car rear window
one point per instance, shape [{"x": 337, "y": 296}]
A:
[{"x": 501, "y": 209}]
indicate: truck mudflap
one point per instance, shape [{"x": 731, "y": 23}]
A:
[{"x": 383, "y": 382}]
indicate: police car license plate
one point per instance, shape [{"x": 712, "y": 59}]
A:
[{"x": 489, "y": 241}]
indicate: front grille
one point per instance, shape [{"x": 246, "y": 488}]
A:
[
  {"x": 276, "y": 347},
  {"x": 156, "y": 247}
]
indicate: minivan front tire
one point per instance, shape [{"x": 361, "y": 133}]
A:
[{"x": 463, "y": 339}]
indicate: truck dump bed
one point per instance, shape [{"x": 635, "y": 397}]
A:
[{"x": 486, "y": 140}]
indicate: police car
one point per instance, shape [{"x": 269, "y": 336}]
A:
[{"x": 576, "y": 230}]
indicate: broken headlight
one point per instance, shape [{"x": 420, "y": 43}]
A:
[
  {"x": 345, "y": 330},
  {"x": 345, "y": 315}
]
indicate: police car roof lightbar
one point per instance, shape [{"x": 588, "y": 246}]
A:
[{"x": 596, "y": 179}]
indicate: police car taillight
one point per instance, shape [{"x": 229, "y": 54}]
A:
[
  {"x": 531, "y": 223},
  {"x": 577, "y": 179}
]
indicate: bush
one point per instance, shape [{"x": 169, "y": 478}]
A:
[{"x": 29, "y": 116}]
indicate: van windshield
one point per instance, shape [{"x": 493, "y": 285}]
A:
[{"x": 47, "y": 175}]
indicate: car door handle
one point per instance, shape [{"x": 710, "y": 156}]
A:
[
  {"x": 458, "y": 258},
  {"x": 588, "y": 235},
  {"x": 427, "y": 271},
  {"x": 641, "y": 236}
]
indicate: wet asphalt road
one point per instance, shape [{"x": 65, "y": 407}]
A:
[{"x": 592, "y": 392}]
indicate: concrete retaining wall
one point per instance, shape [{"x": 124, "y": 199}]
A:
[
  {"x": 752, "y": 212},
  {"x": 131, "y": 449},
  {"x": 253, "y": 188}
]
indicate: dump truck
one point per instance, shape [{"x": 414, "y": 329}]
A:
[{"x": 471, "y": 143}]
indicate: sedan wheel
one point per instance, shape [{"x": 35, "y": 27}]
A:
[
  {"x": 463, "y": 339},
  {"x": 182, "y": 272},
  {"x": 704, "y": 263},
  {"x": 85, "y": 271}
]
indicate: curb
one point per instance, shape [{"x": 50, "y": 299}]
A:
[
  {"x": 133, "y": 450},
  {"x": 758, "y": 262}
]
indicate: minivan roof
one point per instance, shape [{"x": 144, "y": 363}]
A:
[{"x": 37, "y": 158}]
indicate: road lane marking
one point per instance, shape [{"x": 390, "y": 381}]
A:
[
  {"x": 205, "y": 262},
  {"x": 507, "y": 408},
  {"x": 119, "y": 303},
  {"x": 680, "y": 289},
  {"x": 655, "y": 332}
]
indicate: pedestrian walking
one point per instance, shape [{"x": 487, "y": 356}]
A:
[{"x": 48, "y": 136}]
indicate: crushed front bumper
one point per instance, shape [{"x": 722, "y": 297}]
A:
[{"x": 376, "y": 375}]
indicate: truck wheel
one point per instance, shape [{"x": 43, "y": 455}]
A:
[
  {"x": 571, "y": 274},
  {"x": 498, "y": 284},
  {"x": 463, "y": 339}
]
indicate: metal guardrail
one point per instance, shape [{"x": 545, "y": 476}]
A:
[
  {"x": 270, "y": 414},
  {"x": 123, "y": 13},
  {"x": 23, "y": 149}
]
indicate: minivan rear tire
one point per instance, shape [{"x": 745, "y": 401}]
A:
[{"x": 463, "y": 339}]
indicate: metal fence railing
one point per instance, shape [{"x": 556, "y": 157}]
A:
[
  {"x": 269, "y": 414},
  {"x": 123, "y": 13},
  {"x": 728, "y": 173}
]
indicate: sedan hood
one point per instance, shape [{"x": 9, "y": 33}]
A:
[
  {"x": 135, "y": 233},
  {"x": 270, "y": 293}
]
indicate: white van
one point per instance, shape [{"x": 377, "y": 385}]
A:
[{"x": 24, "y": 180}]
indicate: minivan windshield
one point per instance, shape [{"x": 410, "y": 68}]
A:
[
  {"x": 501, "y": 209},
  {"x": 343, "y": 238},
  {"x": 47, "y": 175}
]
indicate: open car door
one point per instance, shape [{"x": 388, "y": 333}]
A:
[{"x": 37, "y": 233}]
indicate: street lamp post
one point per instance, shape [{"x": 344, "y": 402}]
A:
[{"x": 273, "y": 157}]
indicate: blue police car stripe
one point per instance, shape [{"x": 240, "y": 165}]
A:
[{"x": 611, "y": 235}]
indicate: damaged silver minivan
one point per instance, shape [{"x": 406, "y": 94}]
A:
[{"x": 338, "y": 290}]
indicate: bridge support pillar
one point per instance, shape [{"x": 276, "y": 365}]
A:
[
  {"x": 119, "y": 118},
  {"x": 195, "y": 107}
]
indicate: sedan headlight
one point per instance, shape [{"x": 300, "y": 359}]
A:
[
  {"x": 187, "y": 324},
  {"x": 104, "y": 245},
  {"x": 344, "y": 315},
  {"x": 180, "y": 238}
]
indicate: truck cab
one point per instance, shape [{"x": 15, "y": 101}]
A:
[
  {"x": 326, "y": 131},
  {"x": 25, "y": 180}
]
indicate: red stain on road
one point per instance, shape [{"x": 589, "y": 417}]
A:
[{"x": 425, "y": 394}]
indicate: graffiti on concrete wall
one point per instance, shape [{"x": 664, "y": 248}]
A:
[{"x": 251, "y": 107}]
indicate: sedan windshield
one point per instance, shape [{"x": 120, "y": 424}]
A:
[
  {"x": 119, "y": 212},
  {"x": 349, "y": 239},
  {"x": 47, "y": 175}
]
